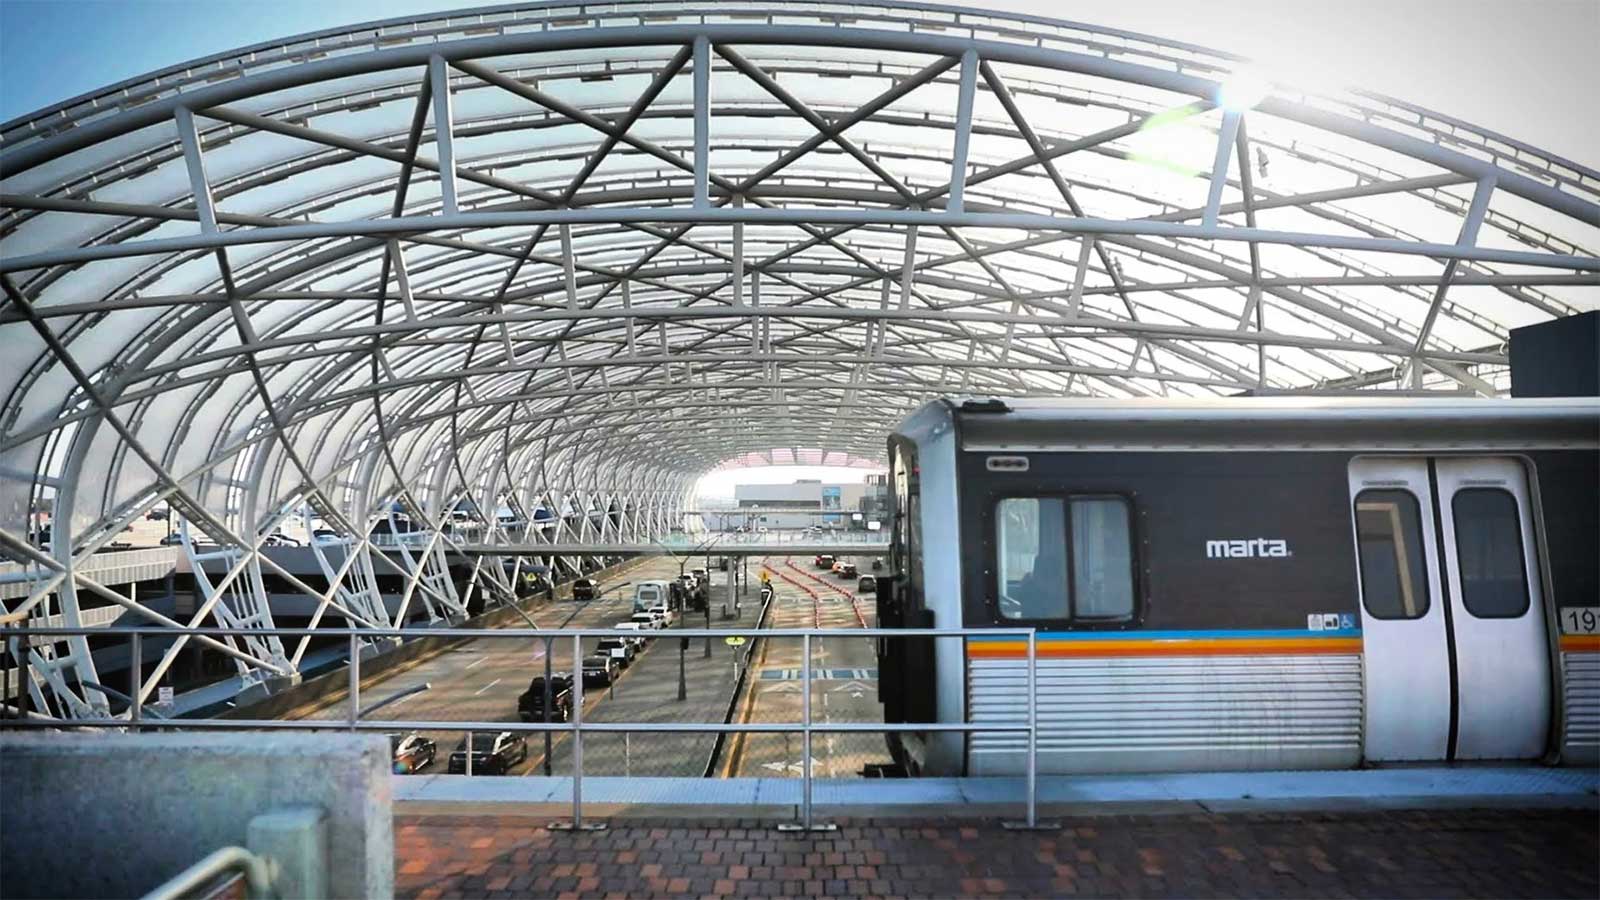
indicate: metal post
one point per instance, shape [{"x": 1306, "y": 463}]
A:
[
  {"x": 136, "y": 678},
  {"x": 805, "y": 745},
  {"x": 1031, "y": 821},
  {"x": 1033, "y": 728},
  {"x": 577, "y": 823},
  {"x": 577, "y": 731},
  {"x": 469, "y": 753},
  {"x": 548, "y": 701},
  {"x": 354, "y": 689},
  {"x": 683, "y": 684}
]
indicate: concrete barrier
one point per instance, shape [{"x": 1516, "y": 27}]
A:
[{"x": 115, "y": 815}]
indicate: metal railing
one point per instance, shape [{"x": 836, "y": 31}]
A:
[
  {"x": 576, "y": 727},
  {"x": 238, "y": 861}
]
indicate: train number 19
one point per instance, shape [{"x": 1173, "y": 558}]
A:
[{"x": 1580, "y": 620}]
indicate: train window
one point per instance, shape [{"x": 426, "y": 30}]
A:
[
  {"x": 1494, "y": 580},
  {"x": 1394, "y": 582},
  {"x": 1064, "y": 558},
  {"x": 1032, "y": 537},
  {"x": 1102, "y": 559}
]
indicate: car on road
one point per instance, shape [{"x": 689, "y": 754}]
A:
[
  {"x": 411, "y": 752},
  {"x": 644, "y": 632},
  {"x": 530, "y": 703},
  {"x": 666, "y": 614},
  {"x": 585, "y": 589},
  {"x": 649, "y": 593},
  {"x": 845, "y": 570},
  {"x": 156, "y": 515},
  {"x": 620, "y": 649},
  {"x": 649, "y": 620},
  {"x": 867, "y": 585},
  {"x": 601, "y": 670},
  {"x": 823, "y": 561},
  {"x": 492, "y": 754}
]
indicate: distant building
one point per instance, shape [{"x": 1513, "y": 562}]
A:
[{"x": 812, "y": 503}]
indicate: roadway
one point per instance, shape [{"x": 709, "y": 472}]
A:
[
  {"x": 480, "y": 680},
  {"x": 844, "y": 673}
]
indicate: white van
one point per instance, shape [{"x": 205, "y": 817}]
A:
[{"x": 649, "y": 593}]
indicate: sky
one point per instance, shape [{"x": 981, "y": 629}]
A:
[{"x": 1526, "y": 68}]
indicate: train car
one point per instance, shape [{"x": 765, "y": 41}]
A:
[{"x": 1246, "y": 583}]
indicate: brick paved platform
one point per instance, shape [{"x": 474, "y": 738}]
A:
[{"x": 1431, "y": 853}]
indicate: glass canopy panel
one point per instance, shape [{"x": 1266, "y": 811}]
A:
[{"x": 821, "y": 290}]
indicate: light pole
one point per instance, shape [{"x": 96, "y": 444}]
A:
[{"x": 683, "y": 683}]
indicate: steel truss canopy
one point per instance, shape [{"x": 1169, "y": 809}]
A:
[{"x": 568, "y": 258}]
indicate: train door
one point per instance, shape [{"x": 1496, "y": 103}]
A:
[{"x": 1453, "y": 624}]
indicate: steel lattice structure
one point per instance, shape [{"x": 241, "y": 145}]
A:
[{"x": 573, "y": 257}]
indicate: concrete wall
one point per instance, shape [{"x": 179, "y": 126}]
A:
[{"x": 115, "y": 815}]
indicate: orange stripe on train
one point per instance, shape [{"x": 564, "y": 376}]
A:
[
  {"x": 1580, "y": 643},
  {"x": 1278, "y": 647}
]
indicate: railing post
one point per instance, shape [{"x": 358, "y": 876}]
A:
[
  {"x": 1033, "y": 727},
  {"x": 577, "y": 731},
  {"x": 805, "y": 744},
  {"x": 354, "y": 690},
  {"x": 577, "y": 823},
  {"x": 1031, "y": 821},
  {"x": 135, "y": 678},
  {"x": 469, "y": 754},
  {"x": 805, "y": 823}
]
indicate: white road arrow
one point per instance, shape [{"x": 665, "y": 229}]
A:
[
  {"x": 853, "y": 688},
  {"x": 784, "y": 687},
  {"x": 794, "y": 767}
]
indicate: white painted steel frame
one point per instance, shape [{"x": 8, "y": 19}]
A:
[{"x": 460, "y": 264}]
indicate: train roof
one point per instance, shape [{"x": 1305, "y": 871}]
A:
[{"x": 1301, "y": 422}]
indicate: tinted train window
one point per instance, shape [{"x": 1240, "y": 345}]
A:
[
  {"x": 1494, "y": 582},
  {"x": 1032, "y": 544},
  {"x": 1102, "y": 559},
  {"x": 1394, "y": 580},
  {"x": 1064, "y": 558}
]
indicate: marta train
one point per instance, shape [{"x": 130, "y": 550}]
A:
[{"x": 1246, "y": 583}]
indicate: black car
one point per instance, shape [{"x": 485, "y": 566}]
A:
[
  {"x": 599, "y": 670},
  {"x": 530, "y": 705},
  {"x": 867, "y": 585},
  {"x": 411, "y": 752},
  {"x": 585, "y": 589},
  {"x": 492, "y": 754}
]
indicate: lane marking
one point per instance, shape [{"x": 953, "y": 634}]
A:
[
  {"x": 481, "y": 661},
  {"x": 487, "y": 686}
]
